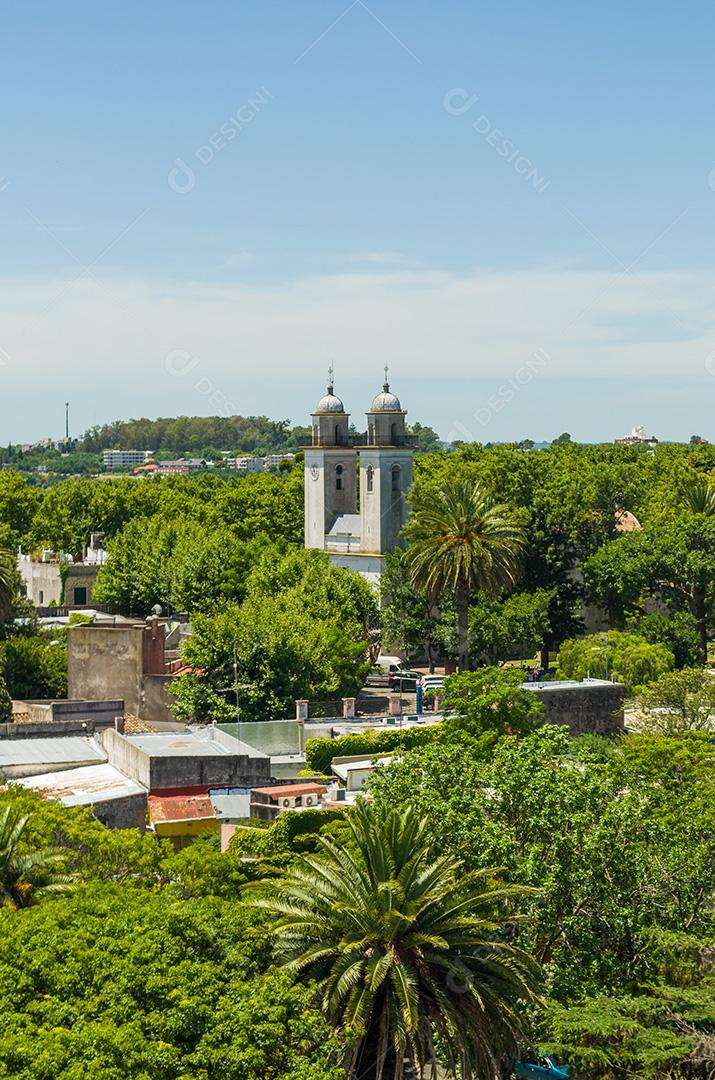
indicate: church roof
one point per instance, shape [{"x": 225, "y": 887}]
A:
[
  {"x": 329, "y": 404},
  {"x": 386, "y": 401},
  {"x": 345, "y": 525}
]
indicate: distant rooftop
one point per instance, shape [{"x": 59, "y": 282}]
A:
[
  {"x": 165, "y": 808},
  {"x": 568, "y": 684},
  {"x": 84, "y": 786},
  {"x": 51, "y": 751},
  {"x": 204, "y": 742}
]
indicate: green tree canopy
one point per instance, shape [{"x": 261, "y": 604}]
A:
[
  {"x": 403, "y": 942},
  {"x": 627, "y": 658},
  {"x": 461, "y": 542},
  {"x": 304, "y": 630}
]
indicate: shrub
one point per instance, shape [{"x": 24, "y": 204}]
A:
[
  {"x": 285, "y": 836},
  {"x": 319, "y": 753}
]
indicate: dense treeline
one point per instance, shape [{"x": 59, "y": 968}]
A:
[
  {"x": 195, "y": 433},
  {"x": 191, "y": 543},
  {"x": 62, "y": 516},
  {"x": 571, "y": 499}
]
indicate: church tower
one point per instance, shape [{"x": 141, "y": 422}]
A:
[
  {"x": 330, "y": 470},
  {"x": 385, "y": 473},
  {"x": 357, "y": 539}
]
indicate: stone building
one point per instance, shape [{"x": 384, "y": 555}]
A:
[
  {"x": 355, "y": 485},
  {"x": 591, "y": 707}
]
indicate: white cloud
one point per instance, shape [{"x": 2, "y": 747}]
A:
[
  {"x": 238, "y": 259},
  {"x": 115, "y": 336},
  {"x": 385, "y": 258}
]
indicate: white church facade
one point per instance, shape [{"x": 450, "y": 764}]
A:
[{"x": 355, "y": 486}]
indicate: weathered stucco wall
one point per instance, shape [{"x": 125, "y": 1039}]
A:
[
  {"x": 586, "y": 708},
  {"x": 159, "y": 772},
  {"x": 127, "y": 812},
  {"x": 42, "y": 581},
  {"x": 106, "y": 662},
  {"x": 128, "y": 758}
]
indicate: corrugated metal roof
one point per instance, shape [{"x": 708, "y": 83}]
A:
[
  {"x": 85, "y": 786},
  {"x": 179, "y": 807},
  {"x": 51, "y": 751}
]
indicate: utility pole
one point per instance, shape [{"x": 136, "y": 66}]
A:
[{"x": 67, "y": 421}]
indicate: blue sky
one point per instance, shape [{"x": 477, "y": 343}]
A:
[{"x": 450, "y": 189}]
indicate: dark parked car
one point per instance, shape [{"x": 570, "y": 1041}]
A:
[{"x": 403, "y": 682}]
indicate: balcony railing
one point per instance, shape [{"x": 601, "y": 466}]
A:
[{"x": 363, "y": 438}]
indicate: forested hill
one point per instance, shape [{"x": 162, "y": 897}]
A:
[
  {"x": 203, "y": 434},
  {"x": 196, "y": 433}
]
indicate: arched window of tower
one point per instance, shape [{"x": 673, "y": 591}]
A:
[
  {"x": 338, "y": 478},
  {"x": 370, "y": 473},
  {"x": 395, "y": 473}
]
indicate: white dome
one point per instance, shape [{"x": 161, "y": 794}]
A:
[
  {"x": 386, "y": 401},
  {"x": 330, "y": 403}
]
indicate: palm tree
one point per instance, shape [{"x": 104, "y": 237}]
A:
[
  {"x": 406, "y": 948},
  {"x": 8, "y": 588},
  {"x": 26, "y": 876},
  {"x": 699, "y": 496},
  {"x": 460, "y": 542}
]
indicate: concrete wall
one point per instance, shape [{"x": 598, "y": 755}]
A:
[
  {"x": 585, "y": 708},
  {"x": 127, "y": 812},
  {"x": 156, "y": 701},
  {"x": 127, "y": 757},
  {"x": 48, "y": 727},
  {"x": 322, "y": 499},
  {"x": 161, "y": 772},
  {"x": 101, "y": 713},
  {"x": 106, "y": 662},
  {"x": 42, "y": 581},
  {"x": 79, "y": 577}
]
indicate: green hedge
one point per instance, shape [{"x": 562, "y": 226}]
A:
[
  {"x": 319, "y": 753},
  {"x": 283, "y": 836}
]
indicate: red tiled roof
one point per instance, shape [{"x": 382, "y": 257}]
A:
[
  {"x": 291, "y": 790},
  {"x": 179, "y": 807}
]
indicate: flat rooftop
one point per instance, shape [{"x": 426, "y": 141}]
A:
[
  {"x": 344, "y": 768},
  {"x": 568, "y": 684},
  {"x": 177, "y": 745},
  {"x": 191, "y": 744},
  {"x": 51, "y": 751},
  {"x": 85, "y": 786}
]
